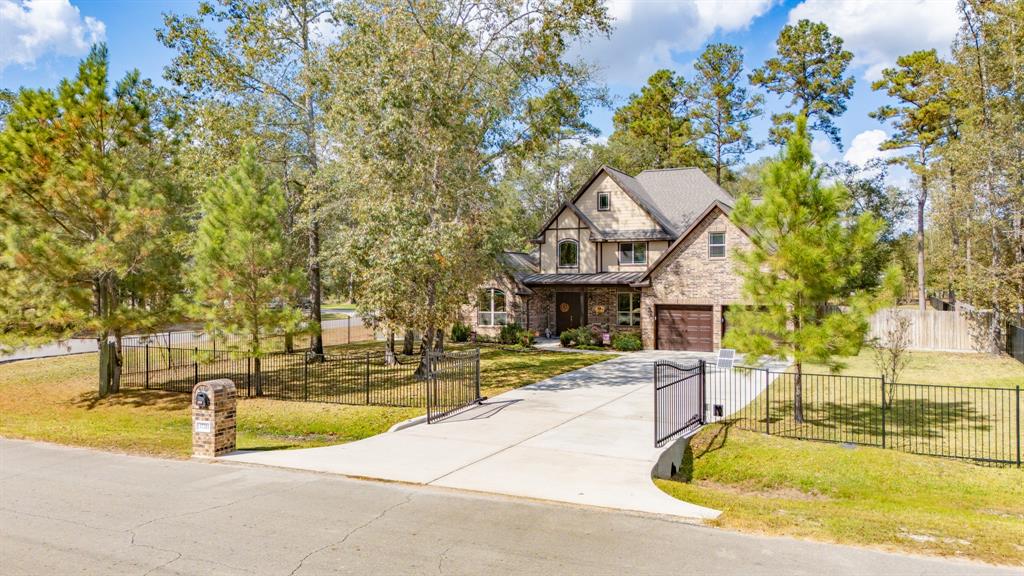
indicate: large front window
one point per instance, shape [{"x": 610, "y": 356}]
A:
[
  {"x": 492, "y": 308},
  {"x": 568, "y": 254},
  {"x": 633, "y": 253},
  {"x": 629, "y": 309}
]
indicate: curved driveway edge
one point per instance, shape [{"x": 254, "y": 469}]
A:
[{"x": 584, "y": 437}]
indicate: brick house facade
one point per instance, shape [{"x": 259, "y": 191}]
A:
[{"x": 648, "y": 254}]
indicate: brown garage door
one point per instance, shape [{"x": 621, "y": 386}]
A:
[{"x": 685, "y": 328}]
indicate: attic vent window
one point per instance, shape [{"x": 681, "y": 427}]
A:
[
  {"x": 716, "y": 244},
  {"x": 604, "y": 201}
]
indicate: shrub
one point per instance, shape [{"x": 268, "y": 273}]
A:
[
  {"x": 514, "y": 334},
  {"x": 579, "y": 337},
  {"x": 460, "y": 332},
  {"x": 627, "y": 341}
]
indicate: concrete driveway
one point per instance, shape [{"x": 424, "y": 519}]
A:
[{"x": 584, "y": 437}]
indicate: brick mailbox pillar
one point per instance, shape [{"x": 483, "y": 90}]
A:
[{"x": 213, "y": 418}]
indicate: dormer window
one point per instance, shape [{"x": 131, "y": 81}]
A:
[
  {"x": 716, "y": 244},
  {"x": 568, "y": 254},
  {"x": 604, "y": 201}
]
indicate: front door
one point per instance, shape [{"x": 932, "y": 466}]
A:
[{"x": 568, "y": 310}]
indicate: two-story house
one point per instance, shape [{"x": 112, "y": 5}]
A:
[{"x": 648, "y": 253}]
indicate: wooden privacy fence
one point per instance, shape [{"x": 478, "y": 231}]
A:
[{"x": 944, "y": 330}]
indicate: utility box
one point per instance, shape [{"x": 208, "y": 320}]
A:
[{"x": 213, "y": 418}]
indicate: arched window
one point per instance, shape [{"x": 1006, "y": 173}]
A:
[
  {"x": 568, "y": 254},
  {"x": 491, "y": 308}
]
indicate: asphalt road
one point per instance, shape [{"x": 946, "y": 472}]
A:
[{"x": 74, "y": 511}]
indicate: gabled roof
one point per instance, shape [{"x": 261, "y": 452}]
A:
[
  {"x": 726, "y": 209},
  {"x": 673, "y": 197},
  {"x": 520, "y": 263},
  {"x": 682, "y": 194},
  {"x": 570, "y": 205}
]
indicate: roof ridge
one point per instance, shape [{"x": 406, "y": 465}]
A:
[{"x": 669, "y": 169}]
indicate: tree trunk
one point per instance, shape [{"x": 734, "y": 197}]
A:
[
  {"x": 922, "y": 198},
  {"x": 104, "y": 367},
  {"x": 289, "y": 343},
  {"x": 439, "y": 342},
  {"x": 423, "y": 371},
  {"x": 408, "y": 340},
  {"x": 317, "y": 341},
  {"x": 116, "y": 360},
  {"x": 257, "y": 375},
  {"x": 389, "y": 348},
  {"x": 798, "y": 394}
]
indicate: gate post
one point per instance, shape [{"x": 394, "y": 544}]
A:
[
  {"x": 1017, "y": 397},
  {"x": 767, "y": 402},
  {"x": 477, "y": 378},
  {"x": 147, "y": 365},
  {"x": 195, "y": 365},
  {"x": 305, "y": 378},
  {"x": 883, "y": 410},
  {"x": 702, "y": 398}
]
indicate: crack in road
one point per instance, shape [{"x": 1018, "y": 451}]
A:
[{"x": 349, "y": 534}]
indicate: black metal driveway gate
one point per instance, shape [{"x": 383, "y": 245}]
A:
[{"x": 678, "y": 399}]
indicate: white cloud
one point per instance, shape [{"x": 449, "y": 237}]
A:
[
  {"x": 864, "y": 147},
  {"x": 647, "y": 33},
  {"x": 31, "y": 28},
  {"x": 879, "y": 31}
]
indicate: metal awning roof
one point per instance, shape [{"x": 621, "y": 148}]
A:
[{"x": 601, "y": 279}]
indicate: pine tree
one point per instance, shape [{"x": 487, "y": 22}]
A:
[
  {"x": 920, "y": 84},
  {"x": 804, "y": 253},
  {"x": 654, "y": 125},
  {"x": 720, "y": 107},
  {"x": 91, "y": 208},
  {"x": 243, "y": 284},
  {"x": 810, "y": 68}
]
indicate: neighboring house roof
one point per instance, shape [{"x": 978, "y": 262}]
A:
[{"x": 603, "y": 278}]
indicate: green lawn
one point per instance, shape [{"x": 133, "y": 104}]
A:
[
  {"x": 942, "y": 368},
  {"x": 54, "y": 400},
  {"x": 864, "y": 496}
]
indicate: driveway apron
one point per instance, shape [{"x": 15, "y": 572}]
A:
[{"x": 584, "y": 437}]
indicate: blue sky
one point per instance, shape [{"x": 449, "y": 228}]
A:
[{"x": 41, "y": 41}]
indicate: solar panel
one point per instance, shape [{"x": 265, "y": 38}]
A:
[{"x": 726, "y": 358}]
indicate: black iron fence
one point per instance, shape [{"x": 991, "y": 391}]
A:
[
  {"x": 678, "y": 399},
  {"x": 972, "y": 423},
  {"x": 446, "y": 384},
  {"x": 344, "y": 330}
]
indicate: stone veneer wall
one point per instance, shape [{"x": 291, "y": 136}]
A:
[
  {"x": 515, "y": 306},
  {"x": 690, "y": 276},
  {"x": 542, "y": 307}
]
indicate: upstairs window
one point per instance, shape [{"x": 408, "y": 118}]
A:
[
  {"x": 604, "y": 201},
  {"x": 492, "y": 311},
  {"x": 568, "y": 254},
  {"x": 633, "y": 253},
  {"x": 716, "y": 244},
  {"x": 629, "y": 309}
]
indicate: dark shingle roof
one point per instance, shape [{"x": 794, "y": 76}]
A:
[
  {"x": 681, "y": 194},
  {"x": 521, "y": 263}
]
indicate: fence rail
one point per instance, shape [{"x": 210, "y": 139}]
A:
[
  {"x": 451, "y": 382},
  {"x": 971, "y": 423},
  {"x": 340, "y": 331}
]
